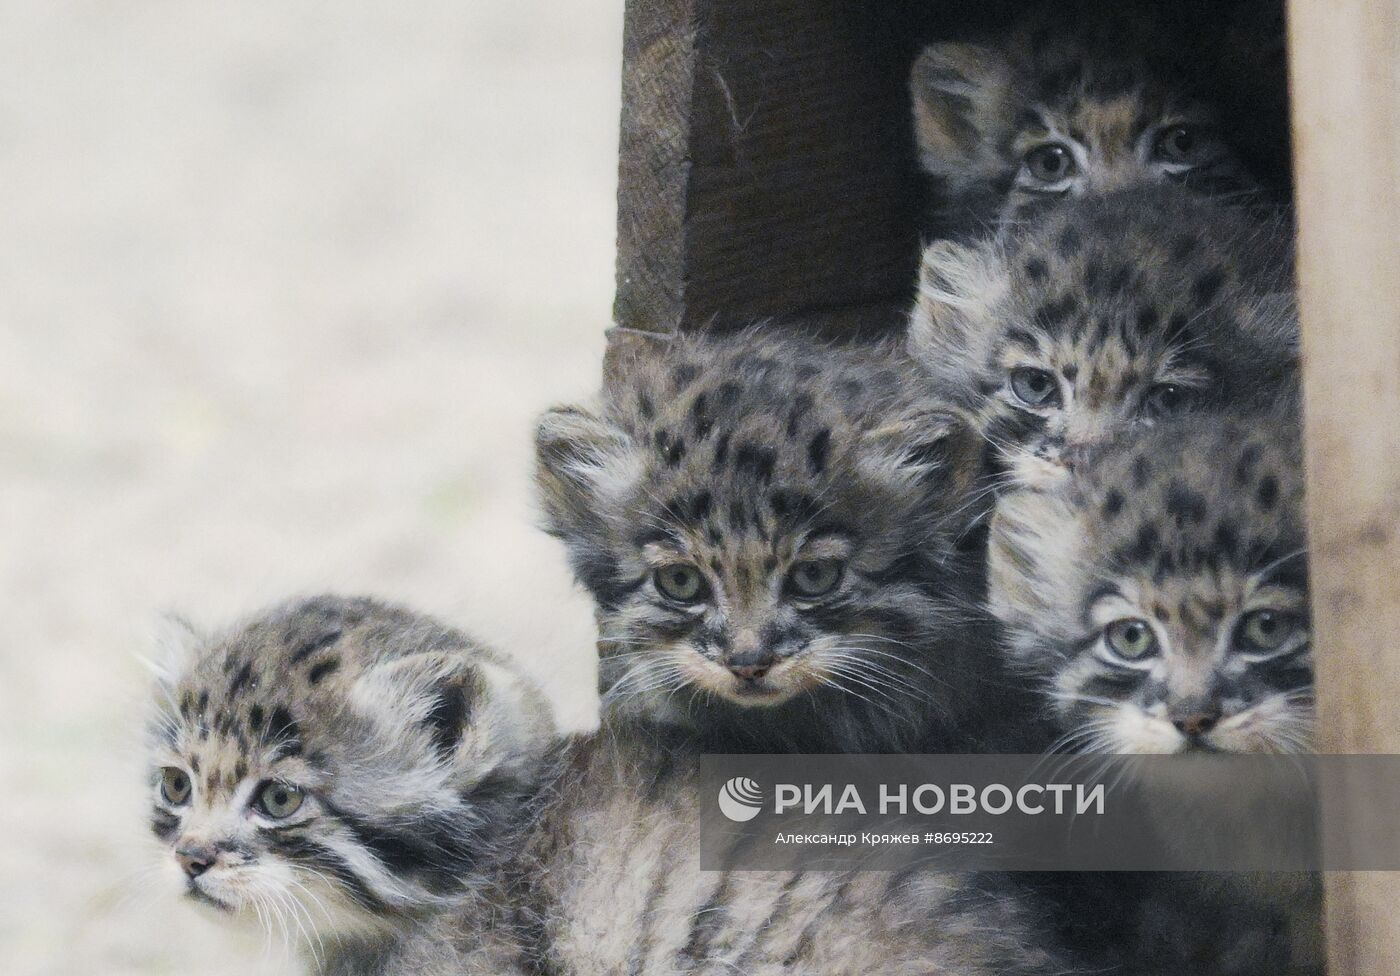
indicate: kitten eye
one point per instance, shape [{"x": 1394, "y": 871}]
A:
[
  {"x": 1179, "y": 144},
  {"x": 174, "y": 785},
  {"x": 1265, "y": 630},
  {"x": 278, "y": 800},
  {"x": 1050, "y": 163},
  {"x": 1131, "y": 639},
  {"x": 1165, "y": 399},
  {"x": 815, "y": 577},
  {"x": 681, "y": 583},
  {"x": 1035, "y": 387}
]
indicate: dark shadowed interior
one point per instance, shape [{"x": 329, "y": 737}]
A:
[{"x": 768, "y": 168}]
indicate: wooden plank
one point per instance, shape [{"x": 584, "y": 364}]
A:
[
  {"x": 767, "y": 170},
  {"x": 658, "y": 60},
  {"x": 1345, "y": 57}
]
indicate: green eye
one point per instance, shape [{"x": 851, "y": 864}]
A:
[
  {"x": 278, "y": 800},
  {"x": 1266, "y": 630},
  {"x": 174, "y": 785},
  {"x": 1131, "y": 639},
  {"x": 1179, "y": 144},
  {"x": 1050, "y": 163},
  {"x": 815, "y": 577},
  {"x": 680, "y": 582},
  {"x": 1035, "y": 387}
]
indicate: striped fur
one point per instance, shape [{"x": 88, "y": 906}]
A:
[
  {"x": 439, "y": 836},
  {"x": 611, "y": 884}
]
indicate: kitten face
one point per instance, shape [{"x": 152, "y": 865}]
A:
[
  {"x": 226, "y": 836},
  {"x": 1162, "y": 594},
  {"x": 1112, "y": 313},
  {"x": 754, "y": 620},
  {"x": 335, "y": 766},
  {"x": 760, "y": 521},
  {"x": 1065, "y": 109}
]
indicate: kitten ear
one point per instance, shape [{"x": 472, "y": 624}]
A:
[
  {"x": 629, "y": 349},
  {"x": 953, "y": 319},
  {"x": 585, "y": 467},
  {"x": 478, "y": 716},
  {"x": 936, "y": 448},
  {"x": 959, "y": 94},
  {"x": 584, "y": 463},
  {"x": 1032, "y": 559},
  {"x": 174, "y": 646}
]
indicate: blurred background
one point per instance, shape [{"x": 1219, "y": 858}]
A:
[{"x": 282, "y": 285}]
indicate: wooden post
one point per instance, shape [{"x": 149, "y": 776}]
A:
[
  {"x": 1345, "y": 57},
  {"x": 767, "y": 168}
]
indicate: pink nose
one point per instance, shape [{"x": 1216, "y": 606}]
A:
[
  {"x": 196, "y": 859},
  {"x": 1198, "y": 723},
  {"x": 750, "y": 666}
]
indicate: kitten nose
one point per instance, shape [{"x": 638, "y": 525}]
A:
[
  {"x": 1196, "y": 723},
  {"x": 754, "y": 664},
  {"x": 196, "y": 859}
]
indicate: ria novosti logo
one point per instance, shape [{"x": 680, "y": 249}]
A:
[{"x": 740, "y": 799}]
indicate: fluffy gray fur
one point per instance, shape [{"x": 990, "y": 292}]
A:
[
  {"x": 1110, "y": 314},
  {"x": 342, "y": 771},
  {"x": 1193, "y": 532},
  {"x": 612, "y": 885},
  {"x": 1193, "y": 529},
  {"x": 1078, "y": 99},
  {"x": 431, "y": 839},
  {"x": 742, "y": 462}
]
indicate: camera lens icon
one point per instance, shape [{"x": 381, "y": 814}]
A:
[{"x": 740, "y": 799}]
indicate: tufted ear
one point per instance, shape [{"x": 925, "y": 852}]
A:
[
  {"x": 1033, "y": 559},
  {"x": 468, "y": 718},
  {"x": 174, "y": 647},
  {"x": 937, "y": 449},
  {"x": 627, "y": 352},
  {"x": 584, "y": 464},
  {"x": 953, "y": 322},
  {"x": 959, "y": 94}
]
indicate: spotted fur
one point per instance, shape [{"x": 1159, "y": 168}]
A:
[
  {"x": 1189, "y": 529},
  {"x": 1125, "y": 308},
  {"x": 1078, "y": 99},
  {"x": 749, "y": 459},
  {"x": 1188, "y": 536},
  {"x": 607, "y": 880},
  {"x": 340, "y": 770}
]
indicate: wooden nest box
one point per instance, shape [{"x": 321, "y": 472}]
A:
[{"x": 768, "y": 173}]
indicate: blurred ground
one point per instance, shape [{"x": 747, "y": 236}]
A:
[{"x": 281, "y": 286}]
